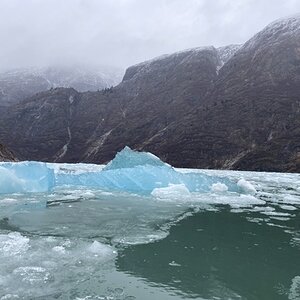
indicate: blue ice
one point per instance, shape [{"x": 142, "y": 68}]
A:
[
  {"x": 129, "y": 171},
  {"x": 141, "y": 172},
  {"x": 25, "y": 177}
]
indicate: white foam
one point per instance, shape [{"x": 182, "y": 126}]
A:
[{"x": 263, "y": 208}]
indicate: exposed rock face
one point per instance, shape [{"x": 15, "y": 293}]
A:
[
  {"x": 233, "y": 107},
  {"x": 6, "y": 155},
  {"x": 252, "y": 120},
  {"x": 64, "y": 125},
  {"x": 16, "y": 85}
]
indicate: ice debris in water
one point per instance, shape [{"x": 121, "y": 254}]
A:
[
  {"x": 102, "y": 250},
  {"x": 219, "y": 187},
  {"x": 129, "y": 171},
  {"x": 246, "y": 186},
  {"x": 172, "y": 190},
  {"x": 13, "y": 244},
  {"x": 25, "y": 177}
]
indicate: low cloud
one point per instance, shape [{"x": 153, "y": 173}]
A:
[{"x": 123, "y": 32}]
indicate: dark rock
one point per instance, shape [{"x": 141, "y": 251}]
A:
[{"x": 6, "y": 155}]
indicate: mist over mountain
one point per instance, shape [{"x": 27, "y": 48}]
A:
[
  {"x": 230, "y": 107},
  {"x": 18, "y": 84}
]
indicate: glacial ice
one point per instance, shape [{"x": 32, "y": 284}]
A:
[
  {"x": 141, "y": 173},
  {"x": 130, "y": 171},
  {"x": 25, "y": 177}
]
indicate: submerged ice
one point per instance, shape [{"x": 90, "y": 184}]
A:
[{"x": 130, "y": 171}]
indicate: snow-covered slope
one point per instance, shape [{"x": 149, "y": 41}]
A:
[
  {"x": 226, "y": 52},
  {"x": 278, "y": 30}
]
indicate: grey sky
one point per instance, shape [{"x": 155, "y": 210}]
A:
[{"x": 124, "y": 32}]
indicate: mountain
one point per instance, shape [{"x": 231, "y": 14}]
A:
[
  {"x": 64, "y": 125},
  {"x": 16, "y": 85},
  {"x": 6, "y": 155},
  {"x": 252, "y": 120},
  {"x": 232, "y": 107}
]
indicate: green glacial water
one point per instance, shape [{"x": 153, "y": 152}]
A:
[{"x": 86, "y": 243}]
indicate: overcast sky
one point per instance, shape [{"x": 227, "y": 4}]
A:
[{"x": 124, "y": 32}]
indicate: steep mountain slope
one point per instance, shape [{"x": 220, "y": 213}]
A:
[
  {"x": 252, "y": 121},
  {"x": 6, "y": 155},
  {"x": 64, "y": 125},
  {"x": 232, "y": 107},
  {"x": 16, "y": 85}
]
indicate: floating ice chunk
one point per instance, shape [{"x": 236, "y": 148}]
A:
[
  {"x": 25, "y": 177},
  {"x": 141, "y": 173},
  {"x": 263, "y": 208},
  {"x": 128, "y": 158},
  {"x": 276, "y": 214},
  {"x": 219, "y": 187},
  {"x": 291, "y": 199},
  {"x": 246, "y": 186},
  {"x": 101, "y": 250},
  {"x": 171, "y": 191},
  {"x": 174, "y": 264},
  {"x": 130, "y": 171},
  {"x": 251, "y": 200},
  {"x": 288, "y": 207}
]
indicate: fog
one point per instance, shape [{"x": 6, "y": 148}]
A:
[{"x": 124, "y": 32}]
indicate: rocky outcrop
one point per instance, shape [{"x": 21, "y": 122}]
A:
[
  {"x": 235, "y": 107},
  {"x": 6, "y": 155}
]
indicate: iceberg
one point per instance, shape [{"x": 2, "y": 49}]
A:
[
  {"x": 141, "y": 173},
  {"x": 23, "y": 177},
  {"x": 130, "y": 171}
]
